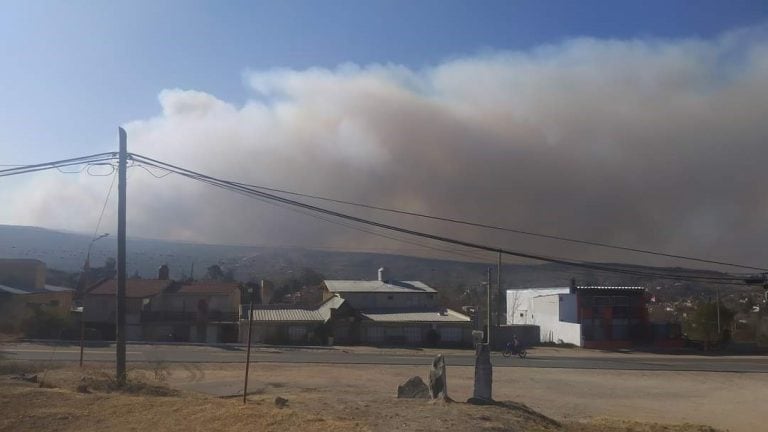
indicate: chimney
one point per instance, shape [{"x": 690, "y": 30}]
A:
[
  {"x": 163, "y": 272},
  {"x": 267, "y": 290},
  {"x": 383, "y": 274}
]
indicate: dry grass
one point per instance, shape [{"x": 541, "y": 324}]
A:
[{"x": 89, "y": 400}]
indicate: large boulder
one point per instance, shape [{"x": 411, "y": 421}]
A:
[
  {"x": 414, "y": 388},
  {"x": 438, "y": 385}
]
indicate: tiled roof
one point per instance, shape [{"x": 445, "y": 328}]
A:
[
  {"x": 134, "y": 288},
  {"x": 342, "y": 286},
  {"x": 431, "y": 315},
  {"x": 224, "y": 288}
]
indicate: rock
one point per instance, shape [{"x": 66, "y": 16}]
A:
[
  {"x": 281, "y": 402},
  {"x": 438, "y": 385},
  {"x": 414, "y": 388},
  {"x": 29, "y": 377},
  {"x": 83, "y": 388}
]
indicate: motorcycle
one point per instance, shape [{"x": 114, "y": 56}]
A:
[{"x": 510, "y": 350}]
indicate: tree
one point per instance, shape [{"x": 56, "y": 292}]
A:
[
  {"x": 702, "y": 323},
  {"x": 215, "y": 272}
]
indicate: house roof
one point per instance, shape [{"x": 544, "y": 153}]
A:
[
  {"x": 377, "y": 286},
  {"x": 223, "y": 288},
  {"x": 292, "y": 313},
  {"x": 410, "y": 315},
  {"x": 567, "y": 290},
  {"x": 10, "y": 290},
  {"x": 287, "y": 314},
  {"x": 625, "y": 288},
  {"x": 46, "y": 289},
  {"x": 134, "y": 288},
  {"x": 55, "y": 288}
]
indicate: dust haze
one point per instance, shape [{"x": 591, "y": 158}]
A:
[{"x": 658, "y": 144}]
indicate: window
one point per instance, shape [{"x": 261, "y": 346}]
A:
[
  {"x": 53, "y": 303},
  {"x": 390, "y": 297}
]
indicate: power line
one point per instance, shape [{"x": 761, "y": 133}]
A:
[
  {"x": 85, "y": 161},
  {"x": 106, "y": 201},
  {"x": 500, "y": 228},
  {"x": 235, "y": 187}
]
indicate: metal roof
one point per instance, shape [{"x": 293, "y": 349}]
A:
[
  {"x": 47, "y": 289},
  {"x": 54, "y": 288},
  {"x": 290, "y": 313},
  {"x": 431, "y": 315},
  {"x": 332, "y": 303},
  {"x": 10, "y": 290},
  {"x": 342, "y": 286},
  {"x": 634, "y": 288},
  {"x": 566, "y": 290}
]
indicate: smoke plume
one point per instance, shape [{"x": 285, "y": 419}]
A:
[{"x": 658, "y": 144}]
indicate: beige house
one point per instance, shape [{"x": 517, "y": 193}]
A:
[
  {"x": 24, "y": 293},
  {"x": 394, "y": 312},
  {"x": 166, "y": 310}
]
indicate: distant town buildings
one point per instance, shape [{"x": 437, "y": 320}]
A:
[{"x": 384, "y": 311}]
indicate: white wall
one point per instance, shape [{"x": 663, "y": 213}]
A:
[
  {"x": 520, "y": 301},
  {"x": 562, "y": 332},
  {"x": 545, "y": 307}
]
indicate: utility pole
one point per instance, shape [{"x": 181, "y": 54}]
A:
[
  {"x": 248, "y": 355},
  {"x": 120, "y": 309},
  {"x": 488, "y": 311},
  {"x": 500, "y": 299},
  {"x": 719, "y": 331}
]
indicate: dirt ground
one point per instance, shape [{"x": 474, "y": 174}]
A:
[
  {"x": 343, "y": 398},
  {"x": 728, "y": 401}
]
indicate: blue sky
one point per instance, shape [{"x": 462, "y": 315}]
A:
[{"x": 71, "y": 72}]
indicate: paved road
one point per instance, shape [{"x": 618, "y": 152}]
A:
[{"x": 338, "y": 355}]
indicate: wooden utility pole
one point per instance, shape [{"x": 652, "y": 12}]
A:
[
  {"x": 248, "y": 355},
  {"x": 120, "y": 309}
]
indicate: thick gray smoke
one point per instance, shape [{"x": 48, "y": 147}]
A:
[{"x": 657, "y": 144}]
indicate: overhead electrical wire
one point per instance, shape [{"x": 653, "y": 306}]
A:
[
  {"x": 258, "y": 192},
  {"x": 254, "y": 192},
  {"x": 501, "y": 228},
  {"x": 83, "y": 161}
]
